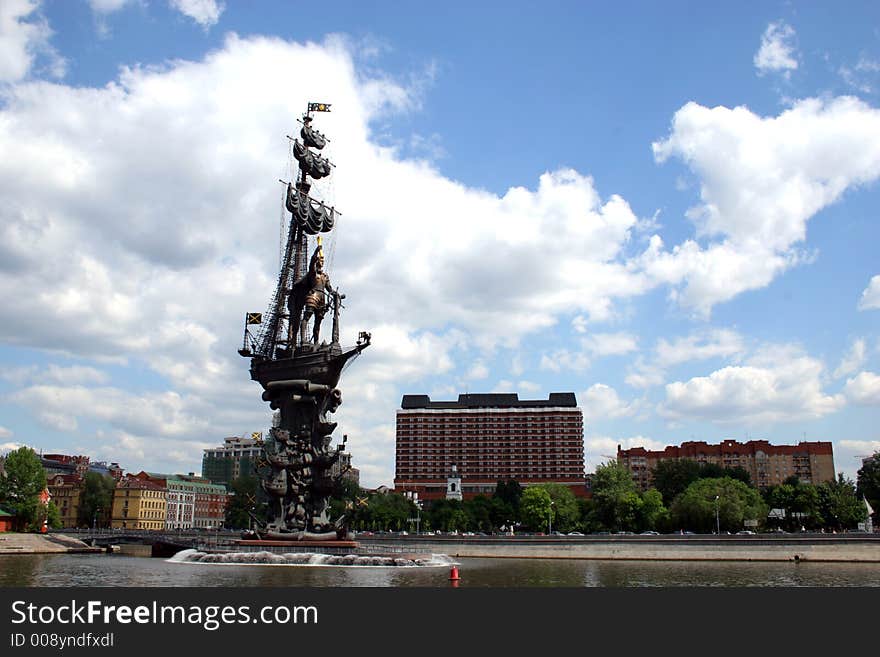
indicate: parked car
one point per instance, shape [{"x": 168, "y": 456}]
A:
[
  {"x": 745, "y": 532},
  {"x": 650, "y": 533}
]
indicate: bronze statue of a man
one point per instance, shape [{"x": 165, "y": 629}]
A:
[{"x": 309, "y": 296}]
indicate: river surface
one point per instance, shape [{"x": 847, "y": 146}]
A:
[{"x": 63, "y": 570}]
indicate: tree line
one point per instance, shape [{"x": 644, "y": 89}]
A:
[{"x": 685, "y": 496}]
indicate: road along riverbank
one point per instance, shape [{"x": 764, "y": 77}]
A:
[
  {"x": 12, "y": 543},
  {"x": 851, "y": 548}
]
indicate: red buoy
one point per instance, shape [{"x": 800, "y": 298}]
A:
[{"x": 453, "y": 574}]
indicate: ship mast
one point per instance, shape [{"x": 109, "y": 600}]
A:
[{"x": 308, "y": 216}]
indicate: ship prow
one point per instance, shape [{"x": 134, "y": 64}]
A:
[{"x": 318, "y": 364}]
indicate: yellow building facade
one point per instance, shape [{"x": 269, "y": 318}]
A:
[{"x": 138, "y": 504}]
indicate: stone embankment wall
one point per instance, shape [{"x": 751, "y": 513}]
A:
[
  {"x": 865, "y": 549},
  {"x": 11, "y": 543}
]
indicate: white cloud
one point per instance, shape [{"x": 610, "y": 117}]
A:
[
  {"x": 24, "y": 36},
  {"x": 863, "y": 389},
  {"x": 595, "y": 345},
  {"x": 522, "y": 386},
  {"x": 778, "y": 384},
  {"x": 644, "y": 374},
  {"x": 701, "y": 345},
  {"x": 601, "y": 402},
  {"x": 610, "y": 344},
  {"x": 53, "y": 373},
  {"x": 853, "y": 359},
  {"x": 478, "y": 370},
  {"x": 108, "y": 6},
  {"x": 870, "y": 299},
  {"x": 5, "y": 448},
  {"x": 561, "y": 359},
  {"x": 776, "y": 52},
  {"x": 5, "y": 433},
  {"x": 204, "y": 12},
  {"x": 762, "y": 180},
  {"x": 859, "y": 448},
  {"x": 163, "y": 414}
]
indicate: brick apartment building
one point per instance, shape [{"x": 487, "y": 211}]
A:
[
  {"x": 488, "y": 437},
  {"x": 768, "y": 465}
]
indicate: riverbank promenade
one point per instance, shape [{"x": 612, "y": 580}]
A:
[
  {"x": 845, "y": 548},
  {"x": 15, "y": 543}
]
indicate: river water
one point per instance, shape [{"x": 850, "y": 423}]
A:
[{"x": 65, "y": 570}]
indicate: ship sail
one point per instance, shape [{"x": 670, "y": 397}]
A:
[
  {"x": 314, "y": 165},
  {"x": 312, "y": 216},
  {"x": 312, "y": 138}
]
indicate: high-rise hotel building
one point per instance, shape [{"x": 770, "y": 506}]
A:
[{"x": 489, "y": 437}]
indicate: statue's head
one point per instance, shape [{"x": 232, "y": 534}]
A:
[{"x": 317, "y": 263}]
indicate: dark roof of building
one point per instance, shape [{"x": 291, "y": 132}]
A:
[{"x": 490, "y": 400}]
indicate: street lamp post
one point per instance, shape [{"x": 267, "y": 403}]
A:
[
  {"x": 550, "y": 519},
  {"x": 717, "y": 517}
]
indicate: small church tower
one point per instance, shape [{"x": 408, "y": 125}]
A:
[{"x": 453, "y": 485}]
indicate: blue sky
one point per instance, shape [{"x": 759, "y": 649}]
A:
[{"x": 667, "y": 208}]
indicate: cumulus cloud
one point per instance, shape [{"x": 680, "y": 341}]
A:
[
  {"x": 24, "y": 37},
  {"x": 762, "y": 180},
  {"x": 700, "y": 345},
  {"x": 863, "y": 389},
  {"x": 870, "y": 299},
  {"x": 852, "y": 360},
  {"x": 165, "y": 414},
  {"x": 779, "y": 384},
  {"x": 601, "y": 402},
  {"x": 204, "y": 12},
  {"x": 596, "y": 345},
  {"x": 777, "y": 52}
]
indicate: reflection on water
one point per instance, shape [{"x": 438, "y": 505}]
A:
[{"x": 116, "y": 570}]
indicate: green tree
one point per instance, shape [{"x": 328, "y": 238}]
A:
[
  {"x": 800, "y": 501},
  {"x": 565, "y": 510},
  {"x": 652, "y": 512},
  {"x": 868, "y": 481},
  {"x": 479, "y": 513},
  {"x": 20, "y": 488},
  {"x": 734, "y": 501},
  {"x": 509, "y": 492},
  {"x": 96, "y": 500},
  {"x": 243, "y": 502},
  {"x": 446, "y": 515},
  {"x": 615, "y": 496},
  {"x": 840, "y": 507},
  {"x": 536, "y": 508},
  {"x": 672, "y": 477},
  {"x": 53, "y": 516}
]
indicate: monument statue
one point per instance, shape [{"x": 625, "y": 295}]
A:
[{"x": 300, "y": 373}]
